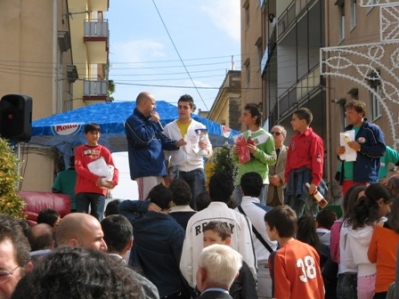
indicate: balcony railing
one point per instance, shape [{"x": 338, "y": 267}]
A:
[
  {"x": 286, "y": 18},
  {"x": 96, "y": 29},
  {"x": 95, "y": 88},
  {"x": 268, "y": 51}
]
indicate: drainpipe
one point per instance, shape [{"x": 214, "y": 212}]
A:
[{"x": 55, "y": 60}]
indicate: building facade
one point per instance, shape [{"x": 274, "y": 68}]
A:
[{"x": 49, "y": 51}]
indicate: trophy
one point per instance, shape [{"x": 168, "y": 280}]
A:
[{"x": 201, "y": 133}]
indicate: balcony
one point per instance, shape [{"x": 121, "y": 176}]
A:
[
  {"x": 96, "y": 37},
  {"x": 304, "y": 88},
  {"x": 98, "y": 5},
  {"x": 95, "y": 90},
  {"x": 268, "y": 51}
]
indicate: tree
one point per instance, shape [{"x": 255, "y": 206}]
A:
[
  {"x": 10, "y": 202},
  {"x": 223, "y": 162}
]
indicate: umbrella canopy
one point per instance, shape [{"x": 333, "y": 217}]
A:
[{"x": 65, "y": 130}]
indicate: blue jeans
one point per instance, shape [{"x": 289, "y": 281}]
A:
[
  {"x": 96, "y": 202},
  {"x": 347, "y": 286},
  {"x": 309, "y": 206},
  {"x": 262, "y": 197},
  {"x": 196, "y": 180}
]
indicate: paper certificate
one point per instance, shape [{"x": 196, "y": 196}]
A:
[{"x": 350, "y": 154}]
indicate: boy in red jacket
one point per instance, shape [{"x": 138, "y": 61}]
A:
[{"x": 90, "y": 188}]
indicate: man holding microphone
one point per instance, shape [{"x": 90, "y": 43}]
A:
[{"x": 146, "y": 144}]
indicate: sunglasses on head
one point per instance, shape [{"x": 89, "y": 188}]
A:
[{"x": 275, "y": 133}]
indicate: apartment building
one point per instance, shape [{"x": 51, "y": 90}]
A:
[
  {"x": 252, "y": 43},
  {"x": 56, "y": 52},
  {"x": 226, "y": 109},
  {"x": 90, "y": 50},
  {"x": 360, "y": 62}
]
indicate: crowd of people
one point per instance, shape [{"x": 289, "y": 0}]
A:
[{"x": 259, "y": 235}]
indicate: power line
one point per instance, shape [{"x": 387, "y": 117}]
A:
[{"x": 178, "y": 54}]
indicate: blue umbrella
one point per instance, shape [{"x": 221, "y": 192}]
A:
[{"x": 65, "y": 130}]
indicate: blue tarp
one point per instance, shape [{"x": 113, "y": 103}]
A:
[{"x": 65, "y": 130}]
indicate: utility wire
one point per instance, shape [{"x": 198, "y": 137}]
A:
[{"x": 178, "y": 54}]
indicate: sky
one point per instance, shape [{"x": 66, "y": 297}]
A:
[{"x": 170, "y": 48}]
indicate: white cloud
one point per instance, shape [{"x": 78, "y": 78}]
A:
[
  {"x": 137, "y": 51},
  {"x": 226, "y": 15}
]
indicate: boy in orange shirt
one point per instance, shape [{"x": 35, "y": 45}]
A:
[{"x": 294, "y": 267}]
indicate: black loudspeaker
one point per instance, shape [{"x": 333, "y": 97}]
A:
[{"x": 16, "y": 117}]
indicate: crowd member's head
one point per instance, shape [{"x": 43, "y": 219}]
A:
[
  {"x": 41, "y": 237},
  {"x": 279, "y": 133},
  {"x": 216, "y": 232},
  {"x": 306, "y": 232},
  {"x": 186, "y": 107},
  {"x": 393, "y": 185},
  {"x": 181, "y": 192},
  {"x": 350, "y": 199},
  {"x": 251, "y": 184},
  {"x": 72, "y": 161},
  {"x": 80, "y": 230},
  {"x": 370, "y": 208},
  {"x": 221, "y": 187},
  {"x": 355, "y": 112},
  {"x": 326, "y": 218},
  {"x": 49, "y": 216},
  {"x": 303, "y": 115},
  {"x": 25, "y": 227},
  {"x": 161, "y": 196},
  {"x": 78, "y": 273},
  {"x": 218, "y": 266},
  {"x": 281, "y": 222},
  {"x": 14, "y": 255},
  {"x": 112, "y": 208},
  {"x": 251, "y": 115},
  {"x": 145, "y": 103},
  {"x": 118, "y": 234},
  {"x": 379, "y": 193},
  {"x": 202, "y": 201},
  {"x": 393, "y": 218},
  {"x": 92, "y": 127}
]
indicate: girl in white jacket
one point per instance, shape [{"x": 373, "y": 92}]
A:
[{"x": 368, "y": 212}]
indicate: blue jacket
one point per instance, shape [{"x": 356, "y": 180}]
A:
[
  {"x": 145, "y": 145},
  {"x": 158, "y": 242},
  {"x": 372, "y": 148},
  {"x": 296, "y": 184}
]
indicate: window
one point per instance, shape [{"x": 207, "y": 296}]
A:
[
  {"x": 246, "y": 7},
  {"x": 375, "y": 101},
  {"x": 247, "y": 71},
  {"x": 342, "y": 22},
  {"x": 258, "y": 45},
  {"x": 353, "y": 13}
]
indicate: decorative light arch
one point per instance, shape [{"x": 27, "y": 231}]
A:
[{"x": 340, "y": 62}]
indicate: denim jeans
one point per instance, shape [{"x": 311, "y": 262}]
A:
[
  {"x": 347, "y": 286},
  {"x": 309, "y": 206},
  {"x": 262, "y": 197},
  {"x": 196, "y": 180},
  {"x": 96, "y": 202}
]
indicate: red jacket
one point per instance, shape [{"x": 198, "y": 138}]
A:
[
  {"x": 306, "y": 150},
  {"x": 86, "y": 181}
]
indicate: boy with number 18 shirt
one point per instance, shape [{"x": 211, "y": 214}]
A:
[{"x": 294, "y": 267}]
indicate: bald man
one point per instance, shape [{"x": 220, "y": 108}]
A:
[
  {"x": 41, "y": 237},
  {"x": 146, "y": 144},
  {"x": 80, "y": 230}
]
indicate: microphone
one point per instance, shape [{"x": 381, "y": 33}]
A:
[{"x": 160, "y": 125}]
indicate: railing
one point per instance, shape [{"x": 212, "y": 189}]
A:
[
  {"x": 95, "y": 88},
  {"x": 268, "y": 51},
  {"x": 286, "y": 18},
  {"x": 96, "y": 28}
]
